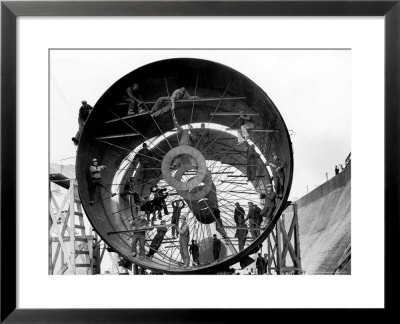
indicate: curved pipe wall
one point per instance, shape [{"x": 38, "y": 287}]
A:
[{"x": 213, "y": 80}]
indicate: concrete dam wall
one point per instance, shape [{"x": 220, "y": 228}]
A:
[{"x": 324, "y": 217}]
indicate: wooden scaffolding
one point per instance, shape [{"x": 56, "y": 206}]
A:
[
  {"x": 71, "y": 250},
  {"x": 281, "y": 242}
]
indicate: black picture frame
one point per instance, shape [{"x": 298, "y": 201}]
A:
[{"x": 10, "y": 10}]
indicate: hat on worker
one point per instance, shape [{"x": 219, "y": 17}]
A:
[
  {"x": 94, "y": 160},
  {"x": 84, "y": 102}
]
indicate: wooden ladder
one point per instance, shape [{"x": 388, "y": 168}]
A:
[
  {"x": 83, "y": 257},
  {"x": 77, "y": 250}
]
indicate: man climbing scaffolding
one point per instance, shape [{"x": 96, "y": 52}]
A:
[
  {"x": 269, "y": 204},
  {"x": 277, "y": 167},
  {"x": 84, "y": 113}
]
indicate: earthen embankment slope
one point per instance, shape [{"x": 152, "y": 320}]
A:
[{"x": 325, "y": 225}]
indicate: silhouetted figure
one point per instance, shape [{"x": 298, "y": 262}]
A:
[
  {"x": 184, "y": 237},
  {"x": 84, "y": 113},
  {"x": 277, "y": 167},
  {"x": 96, "y": 180},
  {"x": 336, "y": 170},
  {"x": 147, "y": 207},
  {"x": 160, "y": 195},
  {"x": 265, "y": 259},
  {"x": 133, "y": 197},
  {"x": 216, "y": 247},
  {"x": 194, "y": 251},
  {"x": 257, "y": 219},
  {"x": 238, "y": 216},
  {"x": 139, "y": 233},
  {"x": 242, "y": 234},
  {"x": 254, "y": 218},
  {"x": 177, "y": 206},
  {"x": 260, "y": 264},
  {"x": 251, "y": 158},
  {"x": 269, "y": 204},
  {"x": 145, "y": 157}
]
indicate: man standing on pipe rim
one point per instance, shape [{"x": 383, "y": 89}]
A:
[
  {"x": 184, "y": 238},
  {"x": 96, "y": 181}
]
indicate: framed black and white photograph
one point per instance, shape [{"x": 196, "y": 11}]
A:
[
  {"x": 202, "y": 151},
  {"x": 223, "y": 145}
]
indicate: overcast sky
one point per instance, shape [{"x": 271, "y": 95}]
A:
[{"x": 310, "y": 88}]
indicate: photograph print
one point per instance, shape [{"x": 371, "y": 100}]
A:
[{"x": 218, "y": 162}]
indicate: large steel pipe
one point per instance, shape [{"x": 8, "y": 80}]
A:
[{"x": 209, "y": 80}]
